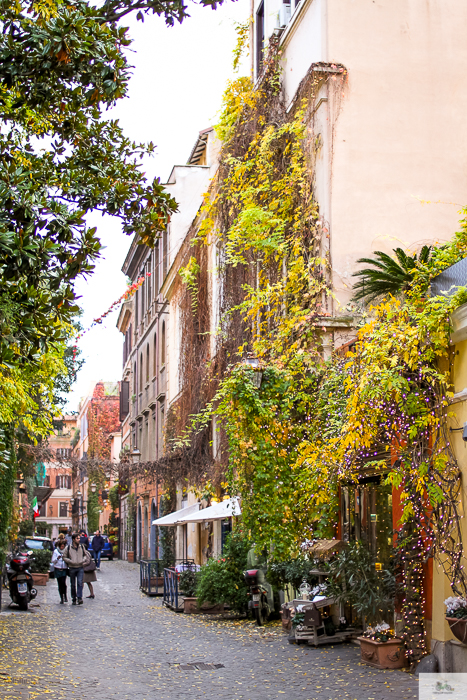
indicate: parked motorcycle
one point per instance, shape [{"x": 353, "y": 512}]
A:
[
  {"x": 258, "y": 595},
  {"x": 20, "y": 581}
]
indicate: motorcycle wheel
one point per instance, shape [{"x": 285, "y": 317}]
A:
[
  {"x": 23, "y": 603},
  {"x": 261, "y": 618}
]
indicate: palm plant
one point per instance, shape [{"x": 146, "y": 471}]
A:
[{"x": 387, "y": 275}]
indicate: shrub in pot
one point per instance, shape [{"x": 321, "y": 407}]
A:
[
  {"x": 187, "y": 583},
  {"x": 355, "y": 580},
  {"x": 221, "y": 581},
  {"x": 40, "y": 566},
  {"x": 40, "y": 561}
]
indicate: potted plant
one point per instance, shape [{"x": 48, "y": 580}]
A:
[
  {"x": 354, "y": 579},
  {"x": 187, "y": 587},
  {"x": 40, "y": 566},
  {"x": 379, "y": 647},
  {"x": 221, "y": 581},
  {"x": 456, "y": 615}
]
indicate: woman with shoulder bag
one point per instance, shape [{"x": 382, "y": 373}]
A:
[
  {"x": 90, "y": 576},
  {"x": 60, "y": 569}
]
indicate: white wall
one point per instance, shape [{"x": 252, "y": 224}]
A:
[{"x": 187, "y": 184}]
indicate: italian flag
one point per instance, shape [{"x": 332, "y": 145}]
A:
[{"x": 35, "y": 507}]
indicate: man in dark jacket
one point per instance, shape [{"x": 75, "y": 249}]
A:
[
  {"x": 97, "y": 547},
  {"x": 83, "y": 539},
  {"x": 76, "y": 556}
]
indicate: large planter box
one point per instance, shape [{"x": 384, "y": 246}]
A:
[
  {"x": 389, "y": 654},
  {"x": 190, "y": 606},
  {"x": 458, "y": 628},
  {"x": 40, "y": 579},
  {"x": 157, "y": 581},
  {"x": 131, "y": 557}
]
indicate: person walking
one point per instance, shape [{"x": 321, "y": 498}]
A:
[
  {"x": 97, "y": 545},
  {"x": 90, "y": 577},
  {"x": 84, "y": 539},
  {"x": 76, "y": 556},
  {"x": 60, "y": 568}
]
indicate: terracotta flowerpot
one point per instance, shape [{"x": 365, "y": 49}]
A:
[
  {"x": 40, "y": 579},
  {"x": 131, "y": 557},
  {"x": 389, "y": 654},
  {"x": 286, "y": 620},
  {"x": 190, "y": 606},
  {"x": 458, "y": 628}
]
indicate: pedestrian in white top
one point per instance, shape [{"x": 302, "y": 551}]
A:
[{"x": 60, "y": 569}]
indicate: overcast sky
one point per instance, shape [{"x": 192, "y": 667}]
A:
[{"x": 178, "y": 79}]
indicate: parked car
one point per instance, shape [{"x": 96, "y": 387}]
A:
[
  {"x": 107, "y": 550},
  {"x": 36, "y": 542}
]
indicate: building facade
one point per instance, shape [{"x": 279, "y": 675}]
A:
[
  {"x": 99, "y": 437},
  {"x": 55, "y": 513}
]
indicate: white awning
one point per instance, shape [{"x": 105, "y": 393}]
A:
[
  {"x": 218, "y": 511},
  {"x": 174, "y": 518}
]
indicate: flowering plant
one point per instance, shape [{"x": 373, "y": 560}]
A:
[
  {"x": 456, "y": 607},
  {"x": 379, "y": 633},
  {"x": 320, "y": 589}
]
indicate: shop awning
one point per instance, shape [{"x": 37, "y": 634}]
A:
[
  {"x": 174, "y": 518},
  {"x": 218, "y": 511}
]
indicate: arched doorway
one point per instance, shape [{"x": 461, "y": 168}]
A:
[{"x": 153, "y": 538}]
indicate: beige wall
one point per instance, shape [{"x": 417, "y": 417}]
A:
[
  {"x": 401, "y": 133},
  {"x": 396, "y": 134}
]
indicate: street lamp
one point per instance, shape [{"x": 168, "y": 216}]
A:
[
  {"x": 93, "y": 488},
  {"x": 80, "y": 506},
  {"x": 257, "y": 377},
  {"x": 135, "y": 455}
]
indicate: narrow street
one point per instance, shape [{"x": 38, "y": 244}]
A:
[{"x": 126, "y": 645}]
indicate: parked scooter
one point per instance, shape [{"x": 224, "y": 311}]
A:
[
  {"x": 258, "y": 595},
  {"x": 20, "y": 580}
]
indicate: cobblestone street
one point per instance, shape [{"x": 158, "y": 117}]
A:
[{"x": 123, "y": 645}]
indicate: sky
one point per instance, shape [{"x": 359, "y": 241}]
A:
[{"x": 178, "y": 79}]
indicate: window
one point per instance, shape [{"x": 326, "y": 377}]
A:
[
  {"x": 156, "y": 270},
  {"x": 143, "y": 292},
  {"x": 161, "y": 426},
  {"x": 163, "y": 344},
  {"x": 135, "y": 380},
  {"x": 147, "y": 363},
  {"x": 124, "y": 400},
  {"x": 141, "y": 371},
  {"x": 63, "y": 452},
  {"x": 259, "y": 38},
  {"x": 63, "y": 509},
  {"x": 149, "y": 281},
  {"x": 63, "y": 481},
  {"x": 127, "y": 345},
  {"x": 136, "y": 309},
  {"x": 154, "y": 357},
  {"x": 42, "y": 512},
  {"x": 84, "y": 426},
  {"x": 165, "y": 254}
]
